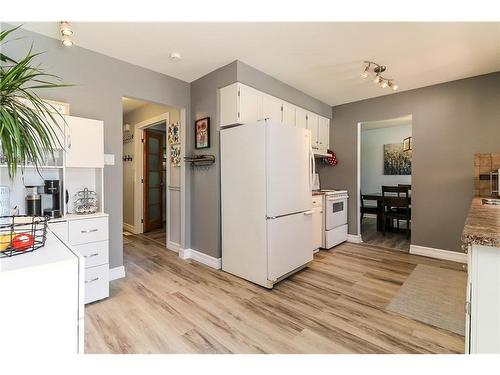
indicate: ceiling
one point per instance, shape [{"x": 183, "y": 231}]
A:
[
  {"x": 389, "y": 123},
  {"x": 323, "y": 60}
]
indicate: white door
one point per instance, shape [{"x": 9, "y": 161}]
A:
[
  {"x": 300, "y": 118},
  {"x": 271, "y": 108},
  {"x": 288, "y": 170},
  {"x": 323, "y": 133},
  {"x": 312, "y": 125},
  {"x": 289, "y": 243},
  {"x": 288, "y": 114},
  {"x": 84, "y": 143},
  {"x": 250, "y": 104}
]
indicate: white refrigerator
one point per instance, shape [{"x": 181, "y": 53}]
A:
[{"x": 267, "y": 172}]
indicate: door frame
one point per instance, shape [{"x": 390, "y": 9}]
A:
[
  {"x": 139, "y": 169},
  {"x": 358, "y": 171}
]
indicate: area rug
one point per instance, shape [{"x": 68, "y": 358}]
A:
[{"x": 435, "y": 296}]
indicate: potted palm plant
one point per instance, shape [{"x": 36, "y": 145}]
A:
[{"x": 28, "y": 125}]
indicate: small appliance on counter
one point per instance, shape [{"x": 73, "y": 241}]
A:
[
  {"x": 52, "y": 188},
  {"x": 33, "y": 200}
]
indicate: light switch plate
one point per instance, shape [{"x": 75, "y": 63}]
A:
[{"x": 109, "y": 159}]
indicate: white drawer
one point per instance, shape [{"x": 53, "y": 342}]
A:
[
  {"x": 95, "y": 253},
  {"x": 317, "y": 201},
  {"x": 88, "y": 230},
  {"x": 96, "y": 283}
]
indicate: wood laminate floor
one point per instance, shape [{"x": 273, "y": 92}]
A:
[
  {"x": 158, "y": 235},
  {"x": 336, "y": 305},
  {"x": 391, "y": 240}
]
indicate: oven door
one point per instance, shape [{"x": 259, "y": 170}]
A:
[{"x": 335, "y": 212}]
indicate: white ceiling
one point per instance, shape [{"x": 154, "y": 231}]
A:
[
  {"x": 322, "y": 59},
  {"x": 389, "y": 123}
]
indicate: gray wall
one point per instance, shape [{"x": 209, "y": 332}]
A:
[
  {"x": 100, "y": 82},
  {"x": 205, "y": 192},
  {"x": 451, "y": 122}
]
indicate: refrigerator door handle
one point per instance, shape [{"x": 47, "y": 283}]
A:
[{"x": 312, "y": 165}]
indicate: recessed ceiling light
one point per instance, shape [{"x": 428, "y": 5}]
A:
[{"x": 175, "y": 56}]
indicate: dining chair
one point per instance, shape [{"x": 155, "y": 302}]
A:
[
  {"x": 396, "y": 208},
  {"x": 401, "y": 190},
  {"x": 366, "y": 209},
  {"x": 406, "y": 186}
]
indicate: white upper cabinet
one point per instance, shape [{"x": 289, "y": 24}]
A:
[
  {"x": 241, "y": 104},
  {"x": 312, "y": 125},
  {"x": 272, "y": 108},
  {"x": 84, "y": 143},
  {"x": 323, "y": 133},
  {"x": 300, "y": 118},
  {"x": 289, "y": 114}
]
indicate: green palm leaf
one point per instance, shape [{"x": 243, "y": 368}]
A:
[{"x": 28, "y": 125}]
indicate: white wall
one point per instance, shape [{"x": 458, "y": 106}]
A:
[{"x": 372, "y": 157}]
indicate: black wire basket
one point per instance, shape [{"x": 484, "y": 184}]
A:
[{"x": 21, "y": 234}]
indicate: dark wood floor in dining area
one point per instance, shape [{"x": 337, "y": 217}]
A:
[
  {"x": 336, "y": 305},
  {"x": 391, "y": 240}
]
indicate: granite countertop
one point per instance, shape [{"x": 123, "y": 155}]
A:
[{"x": 482, "y": 226}]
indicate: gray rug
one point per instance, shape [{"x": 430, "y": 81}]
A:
[{"x": 435, "y": 296}]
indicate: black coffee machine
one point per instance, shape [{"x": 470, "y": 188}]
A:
[{"x": 52, "y": 187}]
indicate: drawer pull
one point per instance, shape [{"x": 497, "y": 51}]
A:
[
  {"x": 89, "y": 231},
  {"x": 91, "y": 255},
  {"x": 91, "y": 280}
]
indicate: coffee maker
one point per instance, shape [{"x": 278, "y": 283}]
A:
[{"x": 52, "y": 188}]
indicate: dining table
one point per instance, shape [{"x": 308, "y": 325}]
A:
[{"x": 378, "y": 197}]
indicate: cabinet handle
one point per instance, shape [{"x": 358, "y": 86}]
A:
[
  {"x": 308, "y": 213},
  {"x": 69, "y": 140},
  {"x": 91, "y": 255},
  {"x": 91, "y": 280},
  {"x": 89, "y": 231}
]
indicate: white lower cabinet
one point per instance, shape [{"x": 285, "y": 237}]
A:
[
  {"x": 317, "y": 208},
  {"x": 482, "y": 310},
  {"x": 89, "y": 237}
]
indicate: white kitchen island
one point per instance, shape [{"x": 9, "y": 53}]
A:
[{"x": 41, "y": 301}]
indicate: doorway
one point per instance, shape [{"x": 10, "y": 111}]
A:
[
  {"x": 385, "y": 182},
  {"x": 153, "y": 180}
]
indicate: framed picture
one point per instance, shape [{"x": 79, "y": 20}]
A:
[
  {"x": 408, "y": 144},
  {"x": 396, "y": 161},
  {"x": 202, "y": 133}
]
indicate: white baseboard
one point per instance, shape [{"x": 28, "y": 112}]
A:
[
  {"x": 354, "y": 238},
  {"x": 438, "y": 253},
  {"x": 116, "y": 273},
  {"x": 129, "y": 228},
  {"x": 173, "y": 246},
  {"x": 201, "y": 258}
]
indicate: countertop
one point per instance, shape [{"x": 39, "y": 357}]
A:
[{"x": 482, "y": 226}]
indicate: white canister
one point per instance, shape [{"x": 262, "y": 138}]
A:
[{"x": 4, "y": 200}]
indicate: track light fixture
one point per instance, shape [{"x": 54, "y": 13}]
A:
[
  {"x": 377, "y": 70},
  {"x": 66, "y": 33}
]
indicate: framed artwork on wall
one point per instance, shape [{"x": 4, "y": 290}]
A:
[{"x": 202, "y": 133}]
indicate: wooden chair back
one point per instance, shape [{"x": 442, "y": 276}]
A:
[{"x": 400, "y": 191}]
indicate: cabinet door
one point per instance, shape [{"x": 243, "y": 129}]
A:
[
  {"x": 312, "y": 125},
  {"x": 271, "y": 108},
  {"x": 250, "y": 104},
  {"x": 288, "y": 114},
  {"x": 317, "y": 227},
  {"x": 229, "y": 105},
  {"x": 323, "y": 133},
  {"x": 84, "y": 143},
  {"x": 300, "y": 118}
]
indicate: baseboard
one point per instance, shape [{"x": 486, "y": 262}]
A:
[
  {"x": 173, "y": 246},
  {"x": 116, "y": 273},
  {"x": 438, "y": 253},
  {"x": 129, "y": 228},
  {"x": 354, "y": 238},
  {"x": 201, "y": 258}
]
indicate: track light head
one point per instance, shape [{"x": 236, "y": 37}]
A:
[
  {"x": 383, "y": 84},
  {"x": 66, "y": 29},
  {"x": 366, "y": 71},
  {"x": 376, "y": 79}
]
